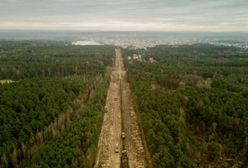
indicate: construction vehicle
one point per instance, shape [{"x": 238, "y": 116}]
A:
[
  {"x": 117, "y": 148},
  {"x": 123, "y": 135}
]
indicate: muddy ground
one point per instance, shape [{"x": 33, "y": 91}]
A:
[{"x": 119, "y": 117}]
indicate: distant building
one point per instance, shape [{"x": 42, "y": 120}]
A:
[
  {"x": 152, "y": 60},
  {"x": 137, "y": 57}
]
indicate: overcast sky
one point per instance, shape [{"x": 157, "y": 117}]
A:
[{"x": 125, "y": 15}]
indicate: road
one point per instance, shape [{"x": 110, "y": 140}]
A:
[{"x": 120, "y": 117}]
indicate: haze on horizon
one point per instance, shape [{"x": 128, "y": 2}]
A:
[{"x": 126, "y": 15}]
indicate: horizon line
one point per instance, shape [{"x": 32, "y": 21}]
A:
[{"x": 148, "y": 31}]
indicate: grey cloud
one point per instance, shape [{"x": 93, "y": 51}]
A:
[{"x": 188, "y": 12}]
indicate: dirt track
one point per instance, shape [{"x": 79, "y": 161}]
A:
[{"x": 120, "y": 116}]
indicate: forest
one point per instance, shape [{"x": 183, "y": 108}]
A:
[
  {"x": 75, "y": 146},
  {"x": 29, "y": 59},
  {"x": 53, "y": 89},
  {"x": 193, "y": 103}
]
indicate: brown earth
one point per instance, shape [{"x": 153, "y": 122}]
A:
[{"x": 120, "y": 117}]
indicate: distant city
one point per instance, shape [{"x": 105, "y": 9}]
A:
[
  {"x": 137, "y": 43},
  {"x": 131, "y": 39}
]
